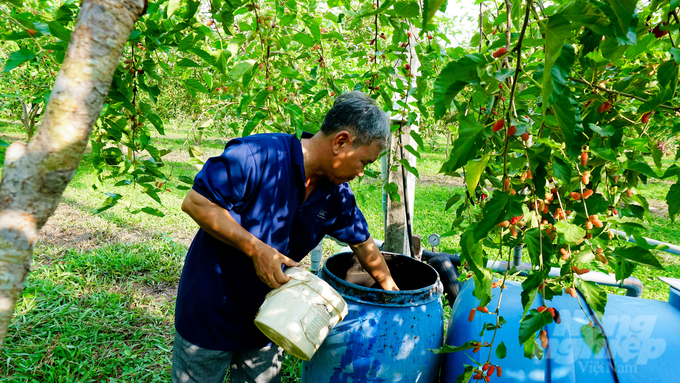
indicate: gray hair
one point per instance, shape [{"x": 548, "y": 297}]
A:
[{"x": 360, "y": 115}]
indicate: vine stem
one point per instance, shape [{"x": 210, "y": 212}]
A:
[{"x": 505, "y": 161}]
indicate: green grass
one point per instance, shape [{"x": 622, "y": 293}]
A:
[{"x": 104, "y": 312}]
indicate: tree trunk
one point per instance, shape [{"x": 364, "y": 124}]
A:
[
  {"x": 396, "y": 225},
  {"x": 35, "y": 175}
]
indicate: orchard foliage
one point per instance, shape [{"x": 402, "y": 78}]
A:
[{"x": 561, "y": 110}]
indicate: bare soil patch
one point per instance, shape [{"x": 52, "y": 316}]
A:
[{"x": 71, "y": 227}]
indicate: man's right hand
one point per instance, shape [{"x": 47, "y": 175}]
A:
[{"x": 268, "y": 263}]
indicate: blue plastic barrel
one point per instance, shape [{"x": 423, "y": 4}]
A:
[
  {"x": 386, "y": 336},
  {"x": 643, "y": 340}
]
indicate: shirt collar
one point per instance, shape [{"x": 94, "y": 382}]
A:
[{"x": 296, "y": 147}]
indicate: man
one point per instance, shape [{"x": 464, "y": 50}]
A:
[{"x": 266, "y": 202}]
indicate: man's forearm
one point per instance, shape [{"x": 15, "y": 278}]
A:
[
  {"x": 219, "y": 223},
  {"x": 373, "y": 262}
]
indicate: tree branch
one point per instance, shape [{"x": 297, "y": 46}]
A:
[{"x": 615, "y": 92}]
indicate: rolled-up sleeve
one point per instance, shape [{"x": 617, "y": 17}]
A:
[
  {"x": 350, "y": 226},
  {"x": 229, "y": 179}
]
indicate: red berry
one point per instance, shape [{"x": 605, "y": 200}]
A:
[
  {"x": 471, "y": 317},
  {"x": 500, "y": 52},
  {"x": 498, "y": 125},
  {"x": 584, "y": 158},
  {"x": 645, "y": 118},
  {"x": 525, "y": 136},
  {"x": 429, "y": 37},
  {"x": 512, "y": 130},
  {"x": 514, "y": 220}
]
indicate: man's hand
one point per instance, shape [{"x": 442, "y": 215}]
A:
[
  {"x": 268, "y": 263},
  {"x": 220, "y": 224},
  {"x": 372, "y": 260}
]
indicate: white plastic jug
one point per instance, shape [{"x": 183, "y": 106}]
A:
[{"x": 298, "y": 315}]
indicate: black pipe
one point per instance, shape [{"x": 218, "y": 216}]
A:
[{"x": 409, "y": 230}]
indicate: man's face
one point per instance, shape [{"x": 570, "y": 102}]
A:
[{"x": 349, "y": 162}]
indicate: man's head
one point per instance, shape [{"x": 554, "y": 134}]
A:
[
  {"x": 357, "y": 131},
  {"x": 358, "y": 114}
]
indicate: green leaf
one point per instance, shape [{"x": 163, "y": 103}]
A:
[
  {"x": 173, "y": 5},
  {"x": 407, "y": 9},
  {"x": 504, "y": 73},
  {"x": 668, "y": 74},
  {"x": 304, "y": 39},
  {"x": 556, "y": 33},
  {"x": 673, "y": 201},
  {"x": 572, "y": 233},
  {"x": 562, "y": 169},
  {"x": 471, "y": 136},
  {"x": 641, "y": 167},
  {"x": 537, "y": 245},
  {"x": 638, "y": 255},
  {"x": 447, "y": 349},
  {"x": 4, "y": 144},
  {"x": 110, "y": 202},
  {"x": 186, "y": 63},
  {"x": 559, "y": 73},
  {"x": 152, "y": 211},
  {"x": 594, "y": 295},
  {"x": 566, "y": 119},
  {"x": 17, "y": 58},
  {"x": 534, "y": 321},
  {"x": 662, "y": 95},
  {"x": 593, "y": 337},
  {"x": 473, "y": 172},
  {"x": 250, "y": 126},
  {"x": 240, "y": 68},
  {"x": 59, "y": 31},
  {"x": 313, "y": 26},
  {"x": 411, "y": 169},
  {"x": 430, "y": 7},
  {"x": 195, "y": 85},
  {"x": 152, "y": 193},
  {"x": 501, "y": 351},
  {"x": 453, "y": 78},
  {"x": 157, "y": 123},
  {"x": 419, "y": 140},
  {"x": 411, "y": 150},
  {"x": 186, "y": 180},
  {"x": 493, "y": 212},
  {"x": 607, "y": 131},
  {"x": 606, "y": 154},
  {"x": 676, "y": 55},
  {"x": 530, "y": 288},
  {"x": 625, "y": 12},
  {"x": 452, "y": 201},
  {"x": 623, "y": 269}
]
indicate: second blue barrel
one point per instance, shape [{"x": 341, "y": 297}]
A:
[{"x": 387, "y": 335}]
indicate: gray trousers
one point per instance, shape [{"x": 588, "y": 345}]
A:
[{"x": 193, "y": 364}]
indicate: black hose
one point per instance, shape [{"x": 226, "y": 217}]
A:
[{"x": 446, "y": 266}]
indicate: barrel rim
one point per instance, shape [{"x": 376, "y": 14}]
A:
[{"x": 367, "y": 295}]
